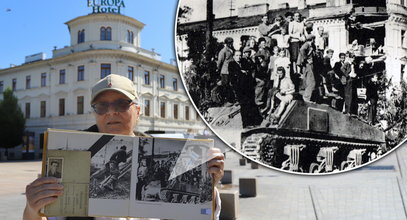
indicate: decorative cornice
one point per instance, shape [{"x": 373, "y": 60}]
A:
[
  {"x": 93, "y": 54},
  {"x": 105, "y": 17}
]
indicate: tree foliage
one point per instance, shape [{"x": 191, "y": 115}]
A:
[
  {"x": 183, "y": 14},
  {"x": 12, "y": 121},
  {"x": 201, "y": 77}
]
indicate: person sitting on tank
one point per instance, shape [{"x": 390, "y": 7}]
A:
[{"x": 284, "y": 88}]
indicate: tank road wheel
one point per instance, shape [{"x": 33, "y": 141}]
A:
[{"x": 314, "y": 168}]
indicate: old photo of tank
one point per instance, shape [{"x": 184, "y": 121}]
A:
[
  {"x": 111, "y": 170},
  {"x": 314, "y": 86},
  {"x": 158, "y": 179}
]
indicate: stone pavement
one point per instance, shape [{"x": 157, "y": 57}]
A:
[
  {"x": 14, "y": 177},
  {"x": 375, "y": 192}
]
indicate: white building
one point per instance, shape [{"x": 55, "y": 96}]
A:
[{"x": 55, "y": 93}]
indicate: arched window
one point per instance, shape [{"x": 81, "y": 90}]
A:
[
  {"x": 81, "y": 36},
  {"x": 106, "y": 33},
  {"x": 130, "y": 37}
]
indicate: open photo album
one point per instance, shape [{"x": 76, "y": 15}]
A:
[{"x": 123, "y": 176}]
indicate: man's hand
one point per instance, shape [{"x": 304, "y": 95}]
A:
[
  {"x": 216, "y": 164},
  {"x": 41, "y": 192}
]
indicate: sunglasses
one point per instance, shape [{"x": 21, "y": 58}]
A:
[{"x": 120, "y": 105}]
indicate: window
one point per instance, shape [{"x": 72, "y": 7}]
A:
[
  {"x": 162, "y": 109},
  {"x": 61, "y": 107},
  {"x": 147, "y": 107},
  {"x": 27, "y": 82},
  {"x": 43, "y": 109},
  {"x": 81, "y": 36},
  {"x": 27, "y": 110},
  {"x": 175, "y": 84},
  {"x": 81, "y": 73},
  {"x": 130, "y": 71},
  {"x": 197, "y": 116},
  {"x": 105, "y": 33},
  {"x": 43, "y": 79},
  {"x": 175, "y": 111},
  {"x": 105, "y": 70},
  {"x": 62, "y": 76},
  {"x": 79, "y": 105},
  {"x": 14, "y": 85},
  {"x": 162, "y": 81},
  {"x": 187, "y": 113},
  {"x": 147, "y": 77},
  {"x": 402, "y": 2},
  {"x": 130, "y": 37},
  {"x": 404, "y": 39},
  {"x": 1, "y": 86}
]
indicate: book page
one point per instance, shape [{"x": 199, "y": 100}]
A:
[
  {"x": 72, "y": 168},
  {"x": 172, "y": 178},
  {"x": 132, "y": 176}
]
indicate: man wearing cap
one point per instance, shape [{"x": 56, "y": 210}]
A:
[
  {"x": 306, "y": 60},
  {"x": 114, "y": 101},
  {"x": 225, "y": 56}
]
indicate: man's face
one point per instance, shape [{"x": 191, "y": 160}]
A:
[
  {"x": 247, "y": 54},
  {"x": 262, "y": 44},
  {"x": 289, "y": 18},
  {"x": 230, "y": 44},
  {"x": 320, "y": 31},
  {"x": 116, "y": 122},
  {"x": 330, "y": 55},
  {"x": 342, "y": 58},
  {"x": 237, "y": 56},
  {"x": 265, "y": 19},
  {"x": 54, "y": 167},
  {"x": 280, "y": 74}
]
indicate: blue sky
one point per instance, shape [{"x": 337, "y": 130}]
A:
[{"x": 29, "y": 27}]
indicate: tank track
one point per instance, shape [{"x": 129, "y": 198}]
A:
[
  {"x": 269, "y": 148},
  {"x": 168, "y": 193}
]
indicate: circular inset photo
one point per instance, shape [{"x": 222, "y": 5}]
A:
[{"x": 302, "y": 86}]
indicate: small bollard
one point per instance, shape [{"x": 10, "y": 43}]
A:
[
  {"x": 227, "y": 177},
  {"x": 230, "y": 204},
  {"x": 255, "y": 165},
  {"x": 247, "y": 187},
  {"x": 242, "y": 162}
]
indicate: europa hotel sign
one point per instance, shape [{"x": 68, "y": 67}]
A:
[{"x": 106, "y": 6}]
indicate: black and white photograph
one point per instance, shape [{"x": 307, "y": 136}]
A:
[
  {"x": 172, "y": 171},
  {"x": 55, "y": 167},
  {"x": 111, "y": 170},
  {"x": 304, "y": 86}
]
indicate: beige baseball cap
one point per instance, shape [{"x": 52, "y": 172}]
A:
[{"x": 116, "y": 83}]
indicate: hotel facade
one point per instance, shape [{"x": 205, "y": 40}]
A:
[{"x": 55, "y": 93}]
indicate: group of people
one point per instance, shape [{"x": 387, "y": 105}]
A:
[{"x": 291, "y": 59}]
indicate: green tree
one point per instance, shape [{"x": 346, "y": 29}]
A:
[{"x": 12, "y": 121}]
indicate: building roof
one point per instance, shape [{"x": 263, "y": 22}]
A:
[{"x": 236, "y": 22}]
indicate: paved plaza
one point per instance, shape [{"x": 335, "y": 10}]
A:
[{"x": 376, "y": 192}]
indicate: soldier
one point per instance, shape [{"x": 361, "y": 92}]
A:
[
  {"x": 118, "y": 157},
  {"x": 306, "y": 59},
  {"x": 350, "y": 89}
]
